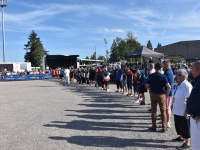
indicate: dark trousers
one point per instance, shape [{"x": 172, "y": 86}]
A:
[
  {"x": 182, "y": 126},
  {"x": 83, "y": 79},
  {"x": 100, "y": 82},
  {"x": 87, "y": 80},
  {"x": 159, "y": 99},
  {"x": 119, "y": 84}
]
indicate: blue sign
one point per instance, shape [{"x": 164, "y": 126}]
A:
[{"x": 26, "y": 77}]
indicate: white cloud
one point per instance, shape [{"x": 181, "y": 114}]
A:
[{"x": 114, "y": 30}]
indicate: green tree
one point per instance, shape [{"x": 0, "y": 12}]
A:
[
  {"x": 87, "y": 57},
  {"x": 101, "y": 57},
  {"x": 34, "y": 50},
  {"x": 149, "y": 45},
  {"x": 93, "y": 56},
  {"x": 113, "y": 52},
  {"x": 159, "y": 45},
  {"x": 121, "y": 47}
]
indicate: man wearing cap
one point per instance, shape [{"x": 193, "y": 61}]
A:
[
  {"x": 157, "y": 82},
  {"x": 193, "y": 108}
]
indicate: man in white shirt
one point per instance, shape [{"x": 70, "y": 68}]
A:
[
  {"x": 151, "y": 68},
  {"x": 66, "y": 77},
  {"x": 151, "y": 71}
]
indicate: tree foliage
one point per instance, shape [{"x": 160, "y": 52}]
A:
[
  {"x": 34, "y": 50},
  {"x": 159, "y": 45},
  {"x": 149, "y": 45},
  {"x": 101, "y": 57},
  {"x": 87, "y": 57},
  {"x": 93, "y": 56},
  {"x": 121, "y": 47}
]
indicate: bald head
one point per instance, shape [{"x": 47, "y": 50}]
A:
[
  {"x": 197, "y": 64},
  {"x": 196, "y": 69}
]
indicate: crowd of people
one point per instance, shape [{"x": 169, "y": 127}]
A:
[{"x": 173, "y": 88}]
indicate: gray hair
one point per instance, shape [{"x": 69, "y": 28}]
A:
[
  {"x": 151, "y": 65},
  {"x": 183, "y": 72},
  {"x": 167, "y": 62}
]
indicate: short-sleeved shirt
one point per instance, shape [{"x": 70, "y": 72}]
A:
[
  {"x": 67, "y": 72},
  {"x": 181, "y": 93},
  {"x": 124, "y": 74},
  {"x": 170, "y": 77},
  {"x": 92, "y": 72},
  {"x": 129, "y": 76},
  {"x": 157, "y": 82},
  {"x": 193, "y": 103},
  {"x": 118, "y": 74}
]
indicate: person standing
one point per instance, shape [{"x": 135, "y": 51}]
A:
[
  {"x": 150, "y": 60},
  {"x": 170, "y": 77},
  {"x": 156, "y": 82},
  {"x": 124, "y": 81},
  {"x": 119, "y": 76},
  {"x": 67, "y": 78},
  {"x": 129, "y": 78},
  {"x": 193, "y": 108},
  {"x": 180, "y": 96},
  {"x": 151, "y": 70},
  {"x": 92, "y": 76}
]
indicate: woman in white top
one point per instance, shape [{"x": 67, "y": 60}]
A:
[{"x": 181, "y": 94}]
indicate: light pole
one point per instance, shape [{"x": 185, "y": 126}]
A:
[
  {"x": 95, "y": 51},
  {"x": 106, "y": 50},
  {"x": 3, "y": 4}
]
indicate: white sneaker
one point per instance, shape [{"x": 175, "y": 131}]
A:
[
  {"x": 169, "y": 124},
  {"x": 108, "y": 90},
  {"x": 125, "y": 93},
  {"x": 131, "y": 95},
  {"x": 137, "y": 102},
  {"x": 101, "y": 88},
  {"x": 140, "y": 99},
  {"x": 121, "y": 92},
  {"x": 136, "y": 96}
]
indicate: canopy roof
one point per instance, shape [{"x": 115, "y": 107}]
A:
[{"x": 145, "y": 52}]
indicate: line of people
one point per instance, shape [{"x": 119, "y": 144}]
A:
[{"x": 183, "y": 99}]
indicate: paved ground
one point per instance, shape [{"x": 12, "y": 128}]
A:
[{"x": 44, "y": 115}]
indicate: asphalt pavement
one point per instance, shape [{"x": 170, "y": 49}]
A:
[{"x": 45, "y": 115}]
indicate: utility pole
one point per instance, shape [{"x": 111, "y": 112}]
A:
[
  {"x": 3, "y": 3},
  {"x": 106, "y": 50},
  {"x": 95, "y": 52}
]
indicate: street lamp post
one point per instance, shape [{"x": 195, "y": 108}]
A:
[
  {"x": 95, "y": 52},
  {"x": 106, "y": 50},
  {"x": 3, "y": 3}
]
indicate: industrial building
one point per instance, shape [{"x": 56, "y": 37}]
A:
[{"x": 186, "y": 49}]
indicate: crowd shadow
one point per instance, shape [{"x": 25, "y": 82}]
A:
[
  {"x": 105, "y": 141},
  {"x": 108, "y": 111},
  {"x": 110, "y": 117},
  {"x": 116, "y": 112},
  {"x": 90, "y": 125}
]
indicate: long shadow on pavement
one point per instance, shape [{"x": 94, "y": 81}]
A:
[{"x": 104, "y": 141}]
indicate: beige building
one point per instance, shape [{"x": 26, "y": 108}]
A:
[{"x": 186, "y": 49}]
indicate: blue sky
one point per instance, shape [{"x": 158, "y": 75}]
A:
[{"x": 77, "y": 26}]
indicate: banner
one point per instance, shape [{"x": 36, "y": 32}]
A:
[{"x": 27, "y": 77}]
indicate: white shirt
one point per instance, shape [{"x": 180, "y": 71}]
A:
[
  {"x": 152, "y": 71},
  {"x": 182, "y": 93},
  {"x": 67, "y": 72}
]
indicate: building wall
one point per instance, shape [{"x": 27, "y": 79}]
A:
[{"x": 187, "y": 49}]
